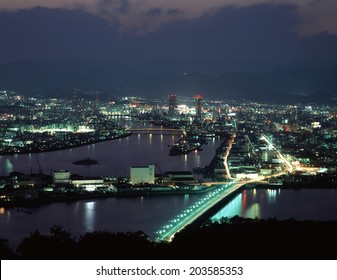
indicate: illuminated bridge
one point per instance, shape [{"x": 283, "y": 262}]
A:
[
  {"x": 199, "y": 208},
  {"x": 203, "y": 205},
  {"x": 155, "y": 129},
  {"x": 212, "y": 198}
]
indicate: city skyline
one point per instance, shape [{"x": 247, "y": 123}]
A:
[
  {"x": 174, "y": 168},
  {"x": 168, "y": 128}
]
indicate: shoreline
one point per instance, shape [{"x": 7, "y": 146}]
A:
[
  {"x": 291, "y": 186},
  {"x": 35, "y": 151},
  {"x": 135, "y": 194},
  {"x": 43, "y": 201}
]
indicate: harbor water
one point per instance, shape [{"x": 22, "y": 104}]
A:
[{"x": 146, "y": 213}]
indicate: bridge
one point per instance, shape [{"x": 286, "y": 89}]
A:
[
  {"x": 154, "y": 129},
  {"x": 213, "y": 197},
  {"x": 199, "y": 208}
]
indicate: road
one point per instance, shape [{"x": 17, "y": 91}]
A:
[
  {"x": 280, "y": 156},
  {"x": 189, "y": 215}
]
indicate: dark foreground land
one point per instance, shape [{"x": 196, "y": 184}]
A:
[{"x": 237, "y": 238}]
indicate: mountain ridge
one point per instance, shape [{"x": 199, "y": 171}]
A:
[{"x": 281, "y": 83}]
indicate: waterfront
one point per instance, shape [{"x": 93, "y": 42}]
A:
[
  {"x": 113, "y": 214},
  {"x": 149, "y": 213},
  {"x": 115, "y": 157},
  {"x": 146, "y": 213}
]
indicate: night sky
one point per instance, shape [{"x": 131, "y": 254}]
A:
[{"x": 133, "y": 31}]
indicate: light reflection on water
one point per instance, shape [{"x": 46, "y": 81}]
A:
[
  {"x": 77, "y": 207},
  {"x": 301, "y": 204},
  {"x": 233, "y": 208},
  {"x": 148, "y": 213},
  {"x": 272, "y": 195},
  {"x": 115, "y": 157},
  {"x": 185, "y": 160},
  {"x": 253, "y": 211},
  {"x": 145, "y": 213},
  {"x": 89, "y": 215},
  {"x": 9, "y": 165}
]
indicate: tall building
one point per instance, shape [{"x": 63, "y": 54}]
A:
[
  {"x": 198, "y": 106},
  {"x": 172, "y": 105}
]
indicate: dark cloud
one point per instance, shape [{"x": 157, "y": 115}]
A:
[
  {"x": 260, "y": 32},
  {"x": 124, "y": 6},
  {"x": 156, "y": 12},
  {"x": 173, "y": 12},
  {"x": 314, "y": 16}
]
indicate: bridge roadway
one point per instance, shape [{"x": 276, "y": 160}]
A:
[
  {"x": 155, "y": 129},
  {"x": 212, "y": 198},
  {"x": 191, "y": 214}
]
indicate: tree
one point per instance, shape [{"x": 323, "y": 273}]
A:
[
  {"x": 58, "y": 245},
  {"x": 6, "y": 252}
]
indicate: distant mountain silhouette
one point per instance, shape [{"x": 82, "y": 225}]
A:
[{"x": 298, "y": 81}]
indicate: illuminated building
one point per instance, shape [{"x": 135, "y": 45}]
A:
[
  {"x": 198, "y": 106},
  {"x": 88, "y": 184},
  {"x": 180, "y": 177},
  {"x": 61, "y": 177},
  {"x": 142, "y": 174},
  {"x": 172, "y": 104},
  {"x": 315, "y": 125}
]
